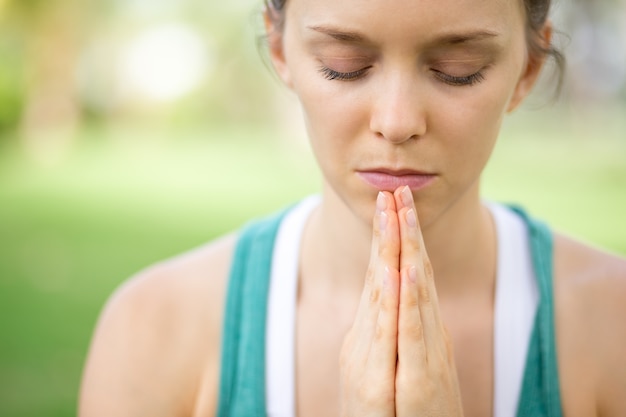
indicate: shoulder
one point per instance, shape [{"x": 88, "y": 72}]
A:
[
  {"x": 182, "y": 284},
  {"x": 589, "y": 277},
  {"x": 158, "y": 338},
  {"x": 590, "y": 296},
  {"x": 177, "y": 294}
]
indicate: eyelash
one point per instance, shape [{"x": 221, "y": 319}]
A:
[
  {"x": 452, "y": 80},
  {"x": 468, "y": 80},
  {"x": 331, "y": 74}
]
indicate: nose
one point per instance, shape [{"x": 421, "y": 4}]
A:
[{"x": 398, "y": 110}]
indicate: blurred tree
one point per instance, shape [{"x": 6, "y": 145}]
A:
[
  {"x": 50, "y": 80},
  {"x": 596, "y": 51},
  {"x": 11, "y": 68},
  {"x": 11, "y": 80},
  {"x": 37, "y": 88}
]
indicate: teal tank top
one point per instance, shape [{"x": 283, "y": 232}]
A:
[{"x": 242, "y": 379}]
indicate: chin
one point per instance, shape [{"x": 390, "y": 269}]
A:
[{"x": 351, "y": 205}]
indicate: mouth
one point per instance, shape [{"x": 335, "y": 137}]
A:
[{"x": 389, "y": 180}]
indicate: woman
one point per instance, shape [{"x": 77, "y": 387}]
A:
[{"x": 403, "y": 102}]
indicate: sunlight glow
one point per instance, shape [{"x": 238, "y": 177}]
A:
[{"x": 166, "y": 62}]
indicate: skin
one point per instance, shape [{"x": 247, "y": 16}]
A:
[
  {"x": 405, "y": 299},
  {"x": 398, "y": 341}
]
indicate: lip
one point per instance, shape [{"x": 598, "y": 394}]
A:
[{"x": 389, "y": 180}]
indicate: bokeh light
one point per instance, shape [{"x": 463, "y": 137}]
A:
[{"x": 165, "y": 62}]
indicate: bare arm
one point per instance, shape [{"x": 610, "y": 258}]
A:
[
  {"x": 155, "y": 350},
  {"x": 591, "y": 329}
]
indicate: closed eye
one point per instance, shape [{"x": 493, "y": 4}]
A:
[
  {"x": 331, "y": 74},
  {"x": 460, "y": 81}
]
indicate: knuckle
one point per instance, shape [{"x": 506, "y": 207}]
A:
[
  {"x": 424, "y": 293},
  {"x": 379, "y": 333},
  {"x": 413, "y": 331},
  {"x": 387, "y": 251},
  {"x": 412, "y": 245},
  {"x": 410, "y": 300},
  {"x": 428, "y": 269},
  {"x": 375, "y": 229},
  {"x": 374, "y": 295},
  {"x": 387, "y": 304}
]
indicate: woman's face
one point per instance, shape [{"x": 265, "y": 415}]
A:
[{"x": 404, "y": 92}]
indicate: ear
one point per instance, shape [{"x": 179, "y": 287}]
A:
[
  {"x": 274, "y": 35},
  {"x": 534, "y": 64}
]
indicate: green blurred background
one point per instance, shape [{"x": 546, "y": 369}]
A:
[{"x": 133, "y": 130}]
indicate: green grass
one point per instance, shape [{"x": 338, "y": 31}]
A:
[{"x": 72, "y": 230}]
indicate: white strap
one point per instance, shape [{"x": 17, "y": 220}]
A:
[
  {"x": 281, "y": 312},
  {"x": 516, "y": 301}
]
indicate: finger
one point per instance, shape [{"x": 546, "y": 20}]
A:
[
  {"x": 413, "y": 258},
  {"x": 403, "y": 197},
  {"x": 413, "y": 250},
  {"x": 372, "y": 341},
  {"x": 412, "y": 353},
  {"x": 384, "y": 253},
  {"x": 412, "y": 247},
  {"x": 382, "y": 357},
  {"x": 379, "y": 224},
  {"x": 389, "y": 242}
]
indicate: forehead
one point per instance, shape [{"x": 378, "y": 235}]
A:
[{"x": 418, "y": 20}]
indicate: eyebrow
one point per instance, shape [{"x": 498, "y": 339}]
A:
[
  {"x": 340, "y": 34},
  {"x": 444, "y": 39},
  {"x": 457, "y": 38}
]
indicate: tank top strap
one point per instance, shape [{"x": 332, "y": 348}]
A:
[
  {"x": 242, "y": 378},
  {"x": 242, "y": 374},
  {"x": 540, "y": 395}
]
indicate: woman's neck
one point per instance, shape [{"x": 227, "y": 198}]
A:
[
  {"x": 460, "y": 241},
  {"x": 462, "y": 246}
]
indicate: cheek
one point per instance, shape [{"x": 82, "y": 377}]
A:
[
  {"x": 333, "y": 118},
  {"x": 478, "y": 111},
  {"x": 479, "y": 115},
  {"x": 469, "y": 125}
]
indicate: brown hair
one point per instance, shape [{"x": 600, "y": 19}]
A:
[{"x": 536, "y": 15}]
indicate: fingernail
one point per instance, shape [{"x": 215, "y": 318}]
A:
[
  {"x": 412, "y": 274},
  {"x": 411, "y": 218},
  {"x": 383, "y": 218},
  {"x": 381, "y": 202},
  {"x": 407, "y": 197}
]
